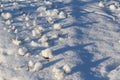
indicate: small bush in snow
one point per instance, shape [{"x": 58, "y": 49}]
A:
[
  {"x": 22, "y": 51},
  {"x": 47, "y": 54},
  {"x": 67, "y": 68},
  {"x": 38, "y": 66},
  {"x": 57, "y": 27}
]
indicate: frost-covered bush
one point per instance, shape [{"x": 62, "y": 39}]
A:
[
  {"x": 16, "y": 41},
  {"x": 27, "y": 18},
  {"x": 41, "y": 9},
  {"x": 48, "y": 2},
  {"x": 47, "y": 53},
  {"x": 62, "y": 15},
  {"x": 6, "y": 15},
  {"x": 8, "y": 22},
  {"x": 30, "y": 65},
  {"x": 16, "y": 31},
  {"x": 101, "y": 4},
  {"x": 37, "y": 66},
  {"x": 37, "y": 31},
  {"x": 43, "y": 39},
  {"x": 67, "y": 68},
  {"x": 57, "y": 26},
  {"x": 34, "y": 44},
  {"x": 22, "y": 51},
  {"x": 112, "y": 7}
]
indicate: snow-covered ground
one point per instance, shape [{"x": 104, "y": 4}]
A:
[{"x": 59, "y": 40}]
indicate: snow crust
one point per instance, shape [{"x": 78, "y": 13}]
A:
[{"x": 59, "y": 40}]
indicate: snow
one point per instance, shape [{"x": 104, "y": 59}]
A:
[{"x": 59, "y": 40}]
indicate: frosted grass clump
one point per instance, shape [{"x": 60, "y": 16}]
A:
[
  {"x": 41, "y": 9},
  {"x": 57, "y": 26},
  {"x": 101, "y": 4},
  {"x": 112, "y": 7},
  {"x": 35, "y": 32},
  {"x": 27, "y": 18},
  {"x": 34, "y": 44},
  {"x": 6, "y": 15},
  {"x": 52, "y": 13},
  {"x": 50, "y": 19},
  {"x": 62, "y": 15},
  {"x": 16, "y": 31},
  {"x": 22, "y": 51},
  {"x": 16, "y": 41},
  {"x": 47, "y": 54},
  {"x": 58, "y": 73},
  {"x": 43, "y": 39},
  {"x": 48, "y": 3},
  {"x": 37, "y": 66},
  {"x": 30, "y": 65},
  {"x": 8, "y": 22},
  {"x": 67, "y": 68}
]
